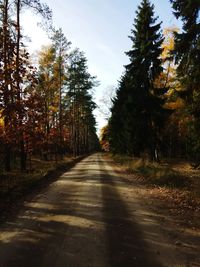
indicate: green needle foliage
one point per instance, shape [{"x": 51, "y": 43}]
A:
[
  {"x": 138, "y": 113},
  {"x": 187, "y": 45},
  {"x": 39, "y": 114},
  {"x": 81, "y": 106},
  {"x": 187, "y": 56}
]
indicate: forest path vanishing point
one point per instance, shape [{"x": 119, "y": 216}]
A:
[{"x": 89, "y": 217}]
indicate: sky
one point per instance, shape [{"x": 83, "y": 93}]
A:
[{"x": 100, "y": 28}]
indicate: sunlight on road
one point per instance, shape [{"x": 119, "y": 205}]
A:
[{"x": 90, "y": 215}]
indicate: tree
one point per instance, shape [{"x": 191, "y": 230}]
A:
[
  {"x": 65, "y": 85},
  {"x": 48, "y": 91},
  {"x": 7, "y": 45},
  {"x": 43, "y": 10},
  {"x": 16, "y": 73},
  {"x": 61, "y": 47},
  {"x": 119, "y": 132},
  {"x": 81, "y": 105},
  {"x": 104, "y": 138},
  {"x": 169, "y": 142},
  {"x": 37, "y": 106},
  {"x": 187, "y": 45},
  {"x": 138, "y": 94},
  {"x": 187, "y": 56}
]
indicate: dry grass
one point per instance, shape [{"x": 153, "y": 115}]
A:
[
  {"x": 174, "y": 185},
  {"x": 16, "y": 179},
  {"x": 173, "y": 175}
]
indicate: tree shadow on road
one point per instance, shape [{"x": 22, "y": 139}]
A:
[{"x": 125, "y": 241}]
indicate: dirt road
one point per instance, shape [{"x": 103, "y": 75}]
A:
[{"x": 89, "y": 217}]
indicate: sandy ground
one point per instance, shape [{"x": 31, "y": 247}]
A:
[{"x": 92, "y": 217}]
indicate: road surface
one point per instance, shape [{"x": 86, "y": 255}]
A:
[{"x": 89, "y": 217}]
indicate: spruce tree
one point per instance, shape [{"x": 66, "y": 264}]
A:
[
  {"x": 142, "y": 113},
  {"x": 144, "y": 68},
  {"x": 118, "y": 138},
  {"x": 187, "y": 56},
  {"x": 187, "y": 45}
]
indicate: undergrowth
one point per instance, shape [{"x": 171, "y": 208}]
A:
[
  {"x": 17, "y": 180},
  {"x": 154, "y": 173}
]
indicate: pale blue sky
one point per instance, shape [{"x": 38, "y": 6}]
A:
[{"x": 100, "y": 28}]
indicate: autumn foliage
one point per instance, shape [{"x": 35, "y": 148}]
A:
[
  {"x": 156, "y": 109},
  {"x": 45, "y": 111}
]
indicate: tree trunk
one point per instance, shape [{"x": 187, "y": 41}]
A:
[
  {"x": 19, "y": 93},
  {"x": 60, "y": 105},
  {"x": 7, "y": 158}
]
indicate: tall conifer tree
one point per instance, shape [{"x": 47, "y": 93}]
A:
[
  {"x": 187, "y": 44},
  {"x": 118, "y": 138},
  {"x": 81, "y": 120},
  {"x": 142, "y": 104},
  {"x": 187, "y": 55}
]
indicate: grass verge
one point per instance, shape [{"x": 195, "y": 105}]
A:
[
  {"x": 153, "y": 173},
  {"x": 174, "y": 185}
]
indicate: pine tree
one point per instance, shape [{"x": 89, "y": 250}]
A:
[
  {"x": 81, "y": 119},
  {"x": 61, "y": 46},
  {"x": 48, "y": 90}
]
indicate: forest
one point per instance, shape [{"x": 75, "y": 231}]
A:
[
  {"x": 129, "y": 196},
  {"x": 156, "y": 110},
  {"x": 46, "y": 110}
]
